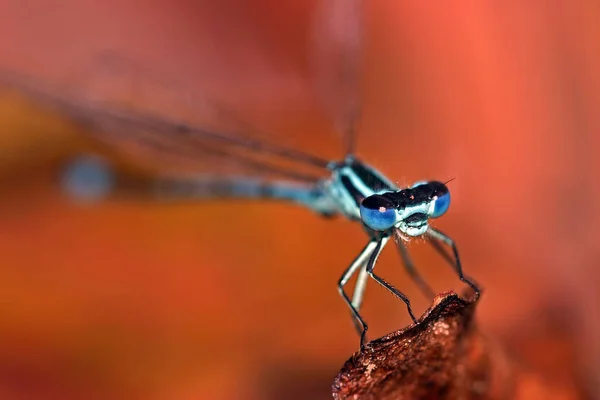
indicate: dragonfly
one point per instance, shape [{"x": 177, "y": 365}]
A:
[{"x": 346, "y": 187}]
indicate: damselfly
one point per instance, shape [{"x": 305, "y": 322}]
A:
[{"x": 346, "y": 187}]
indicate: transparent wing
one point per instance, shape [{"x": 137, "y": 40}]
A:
[
  {"x": 164, "y": 127},
  {"x": 337, "y": 62}
]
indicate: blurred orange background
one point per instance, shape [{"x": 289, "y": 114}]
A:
[{"x": 238, "y": 300}]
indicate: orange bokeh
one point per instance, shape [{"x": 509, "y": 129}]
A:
[{"x": 238, "y": 300}]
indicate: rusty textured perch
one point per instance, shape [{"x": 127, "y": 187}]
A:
[{"x": 444, "y": 356}]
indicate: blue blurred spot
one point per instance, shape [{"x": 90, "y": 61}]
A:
[{"x": 87, "y": 179}]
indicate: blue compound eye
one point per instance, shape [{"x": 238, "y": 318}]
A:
[
  {"x": 442, "y": 200},
  {"x": 378, "y": 213}
]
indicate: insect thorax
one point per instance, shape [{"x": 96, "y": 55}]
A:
[{"x": 351, "y": 182}]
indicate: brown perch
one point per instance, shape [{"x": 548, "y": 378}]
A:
[{"x": 444, "y": 356}]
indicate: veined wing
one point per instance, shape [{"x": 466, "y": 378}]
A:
[
  {"x": 224, "y": 144},
  {"x": 337, "y": 62},
  {"x": 214, "y": 140}
]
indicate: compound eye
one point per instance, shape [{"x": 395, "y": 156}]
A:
[
  {"x": 378, "y": 213},
  {"x": 441, "y": 201}
]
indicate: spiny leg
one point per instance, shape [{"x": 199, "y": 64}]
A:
[
  {"x": 358, "y": 295},
  {"x": 438, "y": 237},
  {"x": 412, "y": 271},
  {"x": 371, "y": 265},
  {"x": 358, "y": 262}
]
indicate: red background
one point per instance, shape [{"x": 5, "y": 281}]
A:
[{"x": 238, "y": 300}]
